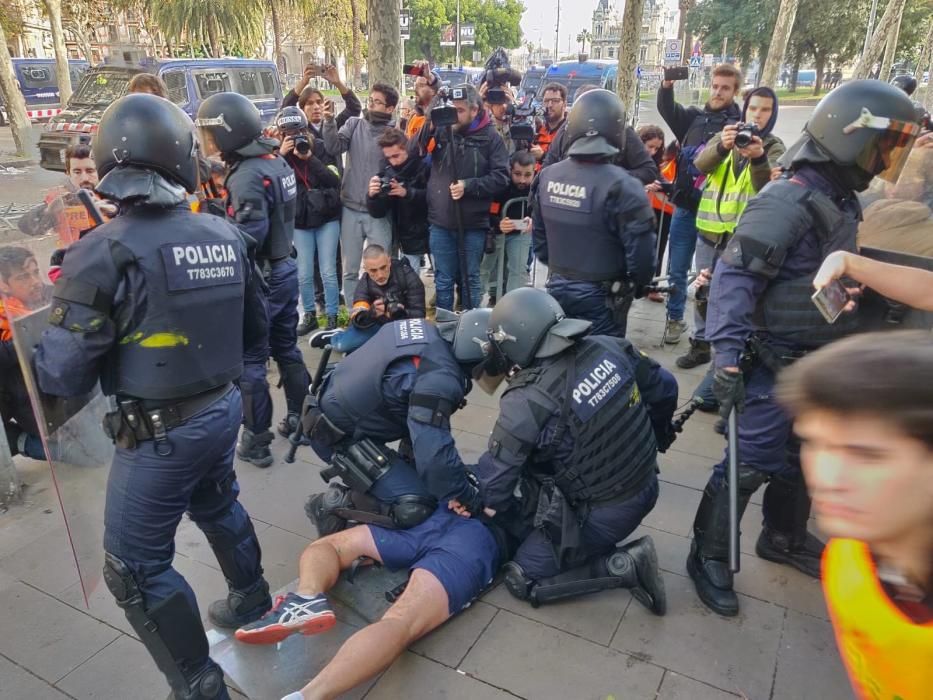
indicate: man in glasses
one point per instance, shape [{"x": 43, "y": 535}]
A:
[
  {"x": 358, "y": 137},
  {"x": 555, "y": 114}
]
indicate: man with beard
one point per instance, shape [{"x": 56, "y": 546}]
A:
[
  {"x": 62, "y": 211},
  {"x": 426, "y": 86}
]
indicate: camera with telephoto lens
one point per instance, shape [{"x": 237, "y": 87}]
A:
[
  {"x": 302, "y": 143},
  {"x": 743, "y": 137},
  {"x": 498, "y": 74},
  {"x": 444, "y": 113},
  {"x": 522, "y": 119}
]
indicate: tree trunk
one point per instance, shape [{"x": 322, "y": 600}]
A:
[
  {"x": 890, "y": 50},
  {"x": 385, "y": 43},
  {"x": 630, "y": 34},
  {"x": 213, "y": 36},
  {"x": 925, "y": 52},
  {"x": 927, "y": 98},
  {"x": 794, "y": 73},
  {"x": 357, "y": 48},
  {"x": 685, "y": 6},
  {"x": 276, "y": 36},
  {"x": 54, "y": 8},
  {"x": 81, "y": 39},
  {"x": 892, "y": 14},
  {"x": 13, "y": 98},
  {"x": 819, "y": 60},
  {"x": 782, "y": 28}
]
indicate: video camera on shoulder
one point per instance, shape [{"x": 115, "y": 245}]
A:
[
  {"x": 499, "y": 73},
  {"x": 445, "y": 113},
  {"x": 743, "y": 137},
  {"x": 522, "y": 119}
]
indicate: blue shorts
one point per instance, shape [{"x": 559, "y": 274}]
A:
[{"x": 460, "y": 552}]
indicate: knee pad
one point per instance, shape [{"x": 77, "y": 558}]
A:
[
  {"x": 411, "y": 510},
  {"x": 517, "y": 583}
]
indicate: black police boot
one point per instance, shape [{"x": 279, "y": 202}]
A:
[
  {"x": 648, "y": 587},
  {"x": 697, "y": 355},
  {"x": 308, "y": 323},
  {"x": 708, "y": 561},
  {"x": 254, "y": 448},
  {"x": 288, "y": 425},
  {"x": 240, "y": 608},
  {"x": 784, "y": 538}
]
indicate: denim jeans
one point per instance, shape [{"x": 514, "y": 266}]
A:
[
  {"x": 515, "y": 247},
  {"x": 358, "y": 230},
  {"x": 683, "y": 240},
  {"x": 447, "y": 264},
  {"x": 348, "y": 340},
  {"x": 323, "y": 240},
  {"x": 705, "y": 255},
  {"x": 413, "y": 260}
]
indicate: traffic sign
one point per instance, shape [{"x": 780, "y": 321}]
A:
[
  {"x": 404, "y": 23},
  {"x": 672, "y": 50},
  {"x": 696, "y": 61}
]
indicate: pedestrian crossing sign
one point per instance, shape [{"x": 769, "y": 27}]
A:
[{"x": 696, "y": 61}]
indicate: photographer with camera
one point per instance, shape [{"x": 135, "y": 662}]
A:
[
  {"x": 389, "y": 290},
  {"x": 426, "y": 86},
  {"x": 499, "y": 109},
  {"x": 737, "y": 163},
  {"x": 399, "y": 191},
  {"x": 469, "y": 166},
  {"x": 317, "y": 216},
  {"x": 693, "y": 127},
  {"x": 633, "y": 157}
]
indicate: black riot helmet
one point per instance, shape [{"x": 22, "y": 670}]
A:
[
  {"x": 907, "y": 83},
  {"x": 529, "y": 323},
  {"x": 866, "y": 125},
  {"x": 148, "y": 133},
  {"x": 466, "y": 333},
  {"x": 228, "y": 122},
  {"x": 596, "y": 126},
  {"x": 290, "y": 120}
]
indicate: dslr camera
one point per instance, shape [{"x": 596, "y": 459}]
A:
[
  {"x": 385, "y": 180},
  {"x": 444, "y": 113},
  {"x": 394, "y": 306},
  {"x": 743, "y": 137}
]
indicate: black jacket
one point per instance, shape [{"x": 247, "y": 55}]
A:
[
  {"x": 403, "y": 285},
  {"x": 318, "y": 197},
  {"x": 634, "y": 157},
  {"x": 409, "y": 214},
  {"x": 496, "y": 214},
  {"x": 482, "y": 163}
]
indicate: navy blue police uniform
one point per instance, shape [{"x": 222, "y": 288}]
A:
[
  {"x": 151, "y": 304},
  {"x": 594, "y": 229}
]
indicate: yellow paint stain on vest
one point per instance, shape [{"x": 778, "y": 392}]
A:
[{"x": 164, "y": 340}]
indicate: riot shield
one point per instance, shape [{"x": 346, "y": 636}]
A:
[{"x": 70, "y": 429}]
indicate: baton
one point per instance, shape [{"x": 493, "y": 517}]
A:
[
  {"x": 733, "y": 478},
  {"x": 295, "y": 438},
  {"x": 85, "y": 198}
]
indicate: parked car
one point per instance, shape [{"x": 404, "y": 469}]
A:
[
  {"x": 189, "y": 81},
  {"x": 38, "y": 81}
]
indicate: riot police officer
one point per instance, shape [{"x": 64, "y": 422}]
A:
[
  {"x": 152, "y": 305},
  {"x": 579, "y": 428},
  {"x": 761, "y": 318},
  {"x": 403, "y": 384},
  {"x": 261, "y": 193},
  {"x": 593, "y": 225}
]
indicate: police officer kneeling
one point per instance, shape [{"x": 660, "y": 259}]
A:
[
  {"x": 761, "y": 319},
  {"x": 579, "y": 430},
  {"x": 402, "y": 384},
  {"x": 152, "y": 305},
  {"x": 593, "y": 225}
]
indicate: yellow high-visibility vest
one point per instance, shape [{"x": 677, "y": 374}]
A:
[{"x": 725, "y": 197}]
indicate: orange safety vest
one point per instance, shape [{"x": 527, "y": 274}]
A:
[
  {"x": 668, "y": 172},
  {"x": 415, "y": 122},
  {"x": 16, "y": 309},
  {"x": 888, "y": 656}
]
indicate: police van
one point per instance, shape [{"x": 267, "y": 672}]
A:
[
  {"x": 574, "y": 74},
  {"x": 38, "y": 81},
  {"x": 189, "y": 81}
]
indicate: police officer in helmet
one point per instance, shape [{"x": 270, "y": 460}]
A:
[
  {"x": 579, "y": 428},
  {"x": 151, "y": 304},
  {"x": 403, "y": 384},
  {"x": 261, "y": 193},
  {"x": 761, "y": 318},
  {"x": 593, "y": 225}
]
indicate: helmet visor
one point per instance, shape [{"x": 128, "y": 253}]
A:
[
  {"x": 206, "y": 128},
  {"x": 885, "y": 153}
]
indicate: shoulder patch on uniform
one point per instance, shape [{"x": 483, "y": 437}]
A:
[
  {"x": 595, "y": 385},
  {"x": 409, "y": 332},
  {"x": 197, "y": 265}
]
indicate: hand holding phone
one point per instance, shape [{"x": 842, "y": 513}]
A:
[
  {"x": 831, "y": 300},
  {"x": 676, "y": 73}
]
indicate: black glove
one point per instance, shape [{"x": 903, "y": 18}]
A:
[
  {"x": 729, "y": 390},
  {"x": 664, "y": 436},
  {"x": 471, "y": 498}
]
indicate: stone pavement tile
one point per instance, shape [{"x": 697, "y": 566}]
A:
[
  {"x": 451, "y": 641},
  {"x": 280, "y": 552},
  {"x": 470, "y": 445},
  {"x": 46, "y": 636},
  {"x": 684, "y": 469},
  {"x": 674, "y": 510},
  {"x": 25, "y": 522},
  {"x": 16, "y": 684},
  {"x": 698, "y": 438},
  {"x": 191, "y": 542},
  {"x": 277, "y": 495},
  {"x": 534, "y": 661},
  {"x": 677, "y": 687},
  {"x": 593, "y": 617},
  {"x": 808, "y": 663},
  {"x": 475, "y": 419},
  {"x": 102, "y": 605},
  {"x": 734, "y": 654},
  {"x": 46, "y": 562},
  {"x": 123, "y": 669},
  {"x": 413, "y": 676}
]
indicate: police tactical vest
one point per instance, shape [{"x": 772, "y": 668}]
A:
[
  {"x": 572, "y": 196},
  {"x": 189, "y": 338},
  {"x": 724, "y": 198},
  {"x": 281, "y": 192},
  {"x": 356, "y": 384},
  {"x": 614, "y": 450}
]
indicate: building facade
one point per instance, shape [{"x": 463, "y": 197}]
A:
[{"x": 607, "y": 25}]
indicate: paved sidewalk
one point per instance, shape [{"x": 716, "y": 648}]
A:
[{"x": 602, "y": 646}]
